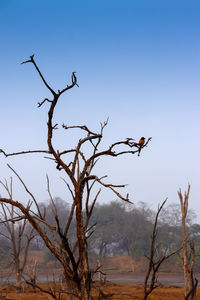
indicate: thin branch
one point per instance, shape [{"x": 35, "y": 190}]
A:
[
  {"x": 83, "y": 127},
  {"x": 111, "y": 152},
  {"x": 154, "y": 266},
  {"x": 41, "y": 103},
  {"x": 13, "y": 220},
  {"x": 110, "y": 186},
  {"x": 27, "y": 190},
  {"x": 74, "y": 82},
  {"x": 23, "y": 152},
  {"x": 80, "y": 143},
  {"x": 34, "y": 285},
  {"x": 31, "y": 60}
]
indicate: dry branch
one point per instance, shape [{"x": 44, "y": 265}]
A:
[
  {"x": 154, "y": 262},
  {"x": 188, "y": 261}
]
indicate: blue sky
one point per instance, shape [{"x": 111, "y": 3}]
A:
[{"x": 137, "y": 62}]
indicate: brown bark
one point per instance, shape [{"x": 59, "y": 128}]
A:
[
  {"x": 17, "y": 234},
  {"x": 154, "y": 261},
  {"x": 184, "y": 209},
  {"x": 188, "y": 263}
]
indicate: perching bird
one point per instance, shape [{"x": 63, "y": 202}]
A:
[
  {"x": 141, "y": 141},
  {"x": 140, "y": 144}
]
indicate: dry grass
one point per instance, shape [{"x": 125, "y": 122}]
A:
[
  {"x": 117, "y": 291},
  {"x": 116, "y": 266}
]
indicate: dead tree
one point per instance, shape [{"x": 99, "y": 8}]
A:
[
  {"x": 188, "y": 250},
  {"x": 18, "y": 233},
  {"x": 78, "y": 167},
  {"x": 156, "y": 258}
]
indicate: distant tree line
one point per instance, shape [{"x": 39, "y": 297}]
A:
[
  {"x": 126, "y": 229},
  {"x": 118, "y": 229}
]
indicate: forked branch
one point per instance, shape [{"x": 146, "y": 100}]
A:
[{"x": 154, "y": 261}]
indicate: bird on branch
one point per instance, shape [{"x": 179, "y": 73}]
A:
[
  {"x": 141, "y": 141},
  {"x": 141, "y": 144}
]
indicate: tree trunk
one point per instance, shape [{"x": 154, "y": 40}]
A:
[
  {"x": 18, "y": 280},
  {"x": 85, "y": 287},
  {"x": 185, "y": 263},
  {"x": 184, "y": 209}
]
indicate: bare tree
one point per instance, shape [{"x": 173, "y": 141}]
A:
[
  {"x": 188, "y": 250},
  {"x": 78, "y": 168},
  {"x": 18, "y": 233},
  {"x": 156, "y": 259}
]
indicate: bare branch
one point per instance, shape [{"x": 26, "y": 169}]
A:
[
  {"x": 23, "y": 152},
  {"x": 81, "y": 142},
  {"x": 85, "y": 128},
  {"x": 74, "y": 82},
  {"x": 31, "y": 60},
  {"x": 27, "y": 190},
  {"x": 13, "y": 220},
  {"x": 188, "y": 252},
  {"x": 110, "y": 151},
  {"x": 110, "y": 186},
  {"x": 49, "y": 292},
  {"x": 41, "y": 103},
  {"x": 154, "y": 264}
]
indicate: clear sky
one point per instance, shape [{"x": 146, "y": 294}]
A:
[{"x": 137, "y": 62}]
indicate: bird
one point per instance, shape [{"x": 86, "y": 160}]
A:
[
  {"x": 140, "y": 144},
  {"x": 141, "y": 141}
]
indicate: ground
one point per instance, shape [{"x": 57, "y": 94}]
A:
[
  {"x": 119, "y": 291},
  {"x": 123, "y": 280}
]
